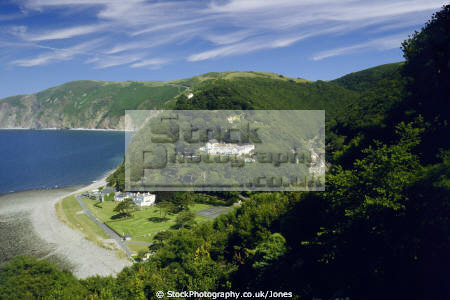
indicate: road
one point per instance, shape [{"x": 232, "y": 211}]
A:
[
  {"x": 213, "y": 212},
  {"x": 105, "y": 228}
]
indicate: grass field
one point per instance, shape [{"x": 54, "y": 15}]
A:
[
  {"x": 137, "y": 247},
  {"x": 68, "y": 211},
  {"x": 144, "y": 223}
]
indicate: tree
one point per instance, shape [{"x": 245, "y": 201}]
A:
[
  {"x": 427, "y": 61},
  {"x": 30, "y": 278},
  {"x": 181, "y": 201},
  {"x": 117, "y": 179},
  {"x": 269, "y": 251},
  {"x": 159, "y": 239},
  {"x": 164, "y": 208},
  {"x": 427, "y": 55},
  {"x": 185, "y": 219},
  {"x": 125, "y": 207}
]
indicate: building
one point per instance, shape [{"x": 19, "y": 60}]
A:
[
  {"x": 140, "y": 199},
  {"x": 106, "y": 191},
  {"x": 215, "y": 148},
  {"x": 144, "y": 199},
  {"x": 119, "y": 197}
]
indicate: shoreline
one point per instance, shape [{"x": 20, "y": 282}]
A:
[
  {"x": 101, "y": 178},
  {"x": 63, "y": 243}
]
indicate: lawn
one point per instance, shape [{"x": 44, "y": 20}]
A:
[
  {"x": 68, "y": 211},
  {"x": 137, "y": 247},
  {"x": 144, "y": 223}
]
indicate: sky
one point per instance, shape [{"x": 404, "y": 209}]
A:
[{"x": 44, "y": 43}]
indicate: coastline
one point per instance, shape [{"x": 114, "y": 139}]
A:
[{"x": 57, "y": 241}]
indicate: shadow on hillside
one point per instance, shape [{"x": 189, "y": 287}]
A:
[
  {"x": 121, "y": 216},
  {"x": 157, "y": 219}
]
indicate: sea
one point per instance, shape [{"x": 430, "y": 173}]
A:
[{"x": 49, "y": 159}]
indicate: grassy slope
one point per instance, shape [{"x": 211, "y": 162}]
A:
[
  {"x": 260, "y": 91},
  {"x": 366, "y": 79},
  {"x": 99, "y": 104},
  {"x": 144, "y": 223},
  {"x": 92, "y": 104},
  {"x": 68, "y": 212}
]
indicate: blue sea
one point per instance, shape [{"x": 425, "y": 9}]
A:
[{"x": 47, "y": 159}]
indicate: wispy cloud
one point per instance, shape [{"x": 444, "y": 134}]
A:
[
  {"x": 151, "y": 42},
  {"x": 151, "y": 63},
  {"x": 56, "y": 55},
  {"x": 62, "y": 33},
  {"x": 244, "y": 47},
  {"x": 9, "y": 17},
  {"x": 134, "y": 32},
  {"x": 107, "y": 61},
  {"x": 384, "y": 43}
]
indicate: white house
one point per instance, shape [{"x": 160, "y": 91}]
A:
[
  {"x": 140, "y": 199},
  {"x": 144, "y": 199},
  {"x": 215, "y": 148},
  {"x": 119, "y": 197}
]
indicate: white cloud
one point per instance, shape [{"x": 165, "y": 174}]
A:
[
  {"x": 153, "y": 63},
  {"x": 9, "y": 17},
  {"x": 220, "y": 27},
  {"x": 151, "y": 42},
  {"x": 63, "y": 33},
  {"x": 107, "y": 61},
  {"x": 228, "y": 38},
  {"x": 385, "y": 43},
  {"x": 56, "y": 54},
  {"x": 244, "y": 47}
]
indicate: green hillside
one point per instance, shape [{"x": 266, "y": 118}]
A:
[
  {"x": 266, "y": 93},
  {"x": 99, "y": 104},
  {"x": 363, "y": 80},
  {"x": 89, "y": 104}
]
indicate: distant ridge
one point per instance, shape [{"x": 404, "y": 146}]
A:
[{"x": 95, "y": 104}]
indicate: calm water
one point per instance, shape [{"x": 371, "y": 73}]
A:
[{"x": 45, "y": 159}]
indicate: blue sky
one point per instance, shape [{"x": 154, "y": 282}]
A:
[{"x": 44, "y": 43}]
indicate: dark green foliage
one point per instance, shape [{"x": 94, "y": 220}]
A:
[
  {"x": 267, "y": 93},
  {"x": 29, "y": 278},
  {"x": 164, "y": 208},
  {"x": 117, "y": 178},
  {"x": 125, "y": 207},
  {"x": 185, "y": 219},
  {"x": 367, "y": 79},
  {"x": 370, "y": 115},
  {"x": 427, "y": 67}
]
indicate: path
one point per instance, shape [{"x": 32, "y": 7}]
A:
[
  {"x": 111, "y": 233},
  {"x": 213, "y": 212}
]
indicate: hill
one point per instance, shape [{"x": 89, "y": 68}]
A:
[
  {"x": 367, "y": 79},
  {"x": 100, "y": 104},
  {"x": 87, "y": 104}
]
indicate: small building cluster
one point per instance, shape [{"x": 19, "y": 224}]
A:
[
  {"x": 99, "y": 194},
  {"x": 140, "y": 199},
  {"x": 214, "y": 148}
]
